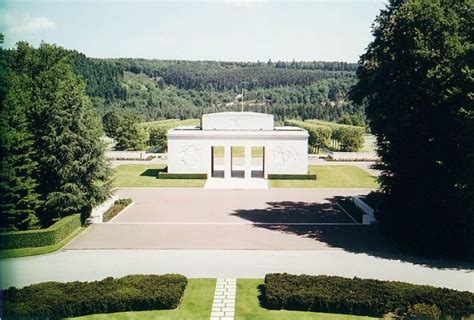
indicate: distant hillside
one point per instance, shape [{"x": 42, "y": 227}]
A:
[
  {"x": 160, "y": 89},
  {"x": 163, "y": 89}
]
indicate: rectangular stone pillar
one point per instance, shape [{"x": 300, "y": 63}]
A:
[
  {"x": 227, "y": 162},
  {"x": 248, "y": 162}
]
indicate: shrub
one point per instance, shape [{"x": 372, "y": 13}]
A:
[
  {"x": 350, "y": 138},
  {"x": 291, "y": 177},
  {"x": 55, "y": 300},
  {"x": 421, "y": 311},
  {"x": 360, "y": 296},
  {"x": 118, "y": 206},
  {"x": 166, "y": 175},
  {"x": 42, "y": 237}
]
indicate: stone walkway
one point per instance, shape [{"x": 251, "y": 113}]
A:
[
  {"x": 223, "y": 307},
  {"x": 236, "y": 183}
]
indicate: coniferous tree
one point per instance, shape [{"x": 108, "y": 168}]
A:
[
  {"x": 19, "y": 199},
  {"x": 72, "y": 172}
]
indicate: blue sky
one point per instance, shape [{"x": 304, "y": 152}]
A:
[{"x": 229, "y": 30}]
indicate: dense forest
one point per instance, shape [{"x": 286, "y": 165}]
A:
[
  {"x": 162, "y": 89},
  {"x": 158, "y": 89}
]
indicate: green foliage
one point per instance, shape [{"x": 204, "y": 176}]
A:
[
  {"x": 55, "y": 300},
  {"x": 291, "y": 177},
  {"x": 351, "y": 120},
  {"x": 157, "y": 131},
  {"x": 18, "y": 195},
  {"x": 111, "y": 122},
  {"x": 166, "y": 175},
  {"x": 118, "y": 206},
  {"x": 71, "y": 172},
  {"x": 125, "y": 129},
  {"x": 165, "y": 89},
  {"x": 360, "y": 296},
  {"x": 157, "y": 138},
  {"x": 349, "y": 138},
  {"x": 416, "y": 79},
  {"x": 421, "y": 311},
  {"x": 42, "y": 237}
]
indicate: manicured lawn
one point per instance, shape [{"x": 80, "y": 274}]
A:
[
  {"x": 24, "y": 252},
  {"x": 331, "y": 176},
  {"x": 248, "y": 306},
  {"x": 144, "y": 175},
  {"x": 196, "y": 304}
]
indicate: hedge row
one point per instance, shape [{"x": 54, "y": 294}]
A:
[
  {"x": 361, "y": 296},
  {"x": 55, "y": 300},
  {"x": 291, "y": 177},
  {"x": 166, "y": 175},
  {"x": 118, "y": 206},
  {"x": 350, "y": 138},
  {"x": 41, "y": 237}
]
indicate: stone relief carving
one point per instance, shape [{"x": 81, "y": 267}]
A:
[
  {"x": 285, "y": 156},
  {"x": 190, "y": 155}
]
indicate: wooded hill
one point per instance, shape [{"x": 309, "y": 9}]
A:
[{"x": 160, "y": 89}]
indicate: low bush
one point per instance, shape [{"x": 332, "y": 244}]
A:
[
  {"x": 291, "y": 177},
  {"x": 118, "y": 206},
  {"x": 361, "y": 296},
  {"x": 421, "y": 311},
  {"x": 349, "y": 138},
  {"x": 166, "y": 175},
  {"x": 41, "y": 237},
  {"x": 55, "y": 300}
]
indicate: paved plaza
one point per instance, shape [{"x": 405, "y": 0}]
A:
[{"x": 231, "y": 219}]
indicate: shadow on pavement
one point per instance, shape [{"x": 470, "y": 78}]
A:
[{"x": 366, "y": 239}]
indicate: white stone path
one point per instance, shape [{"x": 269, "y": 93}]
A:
[{"x": 223, "y": 306}]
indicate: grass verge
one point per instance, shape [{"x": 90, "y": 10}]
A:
[
  {"x": 331, "y": 176},
  {"x": 24, "y": 252},
  {"x": 248, "y": 306},
  {"x": 145, "y": 175},
  {"x": 196, "y": 304}
]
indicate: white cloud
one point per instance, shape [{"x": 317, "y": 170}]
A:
[{"x": 25, "y": 23}]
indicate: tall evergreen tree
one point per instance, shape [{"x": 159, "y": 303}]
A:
[
  {"x": 19, "y": 199},
  {"x": 72, "y": 172},
  {"x": 417, "y": 80}
]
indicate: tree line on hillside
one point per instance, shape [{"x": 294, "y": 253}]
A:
[
  {"x": 52, "y": 155},
  {"x": 209, "y": 75},
  {"x": 152, "y": 100},
  {"x": 160, "y": 89}
]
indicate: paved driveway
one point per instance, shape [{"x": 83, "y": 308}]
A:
[{"x": 231, "y": 219}]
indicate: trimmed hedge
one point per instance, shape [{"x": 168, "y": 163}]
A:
[
  {"x": 291, "y": 177},
  {"x": 41, "y": 237},
  {"x": 361, "y": 296},
  {"x": 56, "y": 300},
  {"x": 118, "y": 206},
  {"x": 166, "y": 175}
]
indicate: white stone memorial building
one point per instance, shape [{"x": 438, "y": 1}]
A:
[{"x": 281, "y": 150}]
